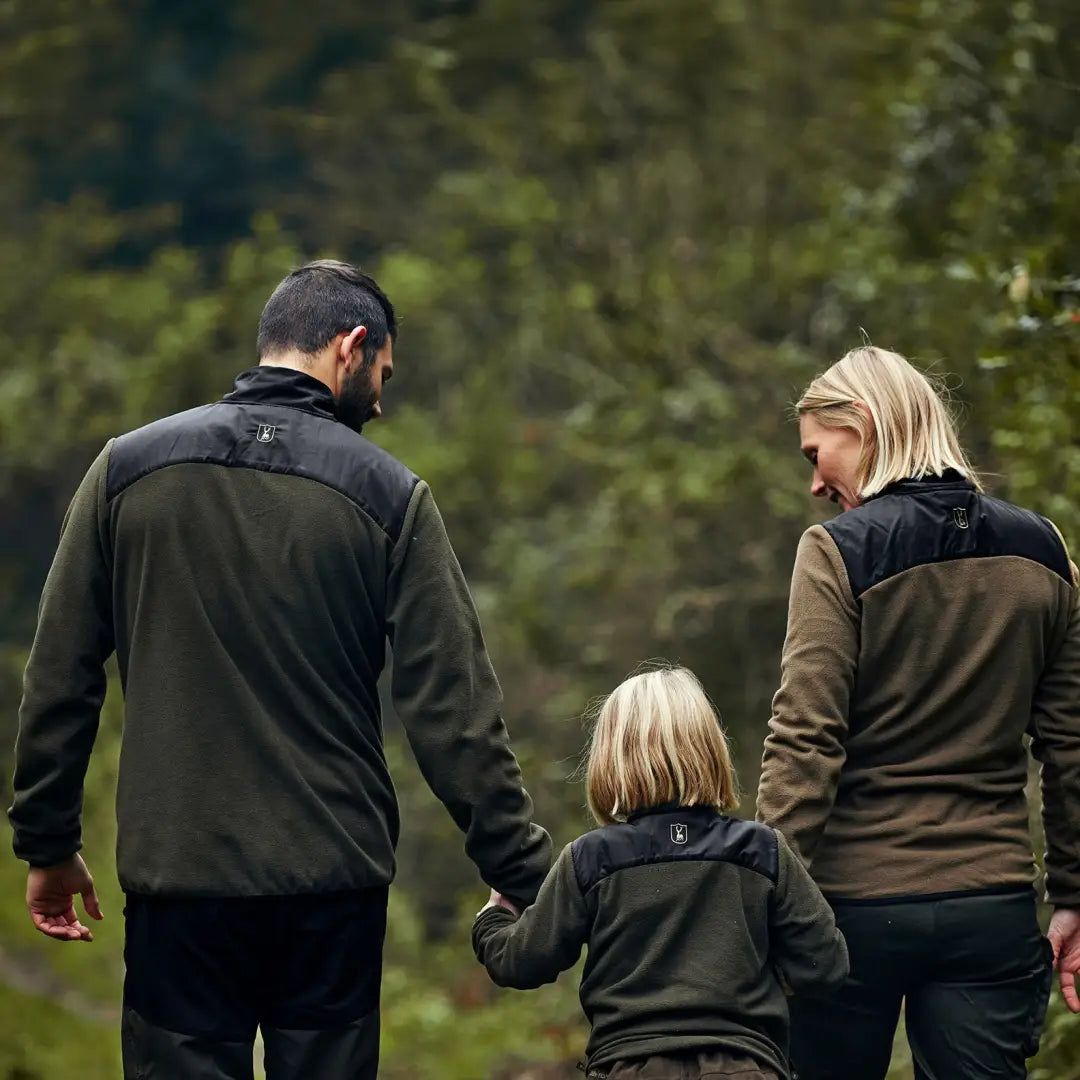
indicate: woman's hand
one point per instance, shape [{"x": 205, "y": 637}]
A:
[{"x": 1064, "y": 935}]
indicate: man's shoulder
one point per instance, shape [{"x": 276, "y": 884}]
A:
[
  {"x": 284, "y": 441},
  {"x": 368, "y": 474},
  {"x": 140, "y": 451}
]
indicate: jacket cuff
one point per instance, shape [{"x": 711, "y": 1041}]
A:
[
  {"x": 41, "y": 853},
  {"x": 489, "y": 920}
]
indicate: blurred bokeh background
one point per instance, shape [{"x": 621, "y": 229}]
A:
[{"x": 621, "y": 236}]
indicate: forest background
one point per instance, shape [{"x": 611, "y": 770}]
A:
[{"x": 621, "y": 236}]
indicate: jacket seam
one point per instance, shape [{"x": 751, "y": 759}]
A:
[
  {"x": 960, "y": 559},
  {"x": 657, "y": 860},
  {"x": 917, "y": 898},
  {"x": 256, "y": 467},
  {"x": 842, "y": 566},
  {"x": 574, "y": 867},
  {"x": 277, "y": 405}
]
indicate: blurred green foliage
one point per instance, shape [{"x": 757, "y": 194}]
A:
[{"x": 622, "y": 235}]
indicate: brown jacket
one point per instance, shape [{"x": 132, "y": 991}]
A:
[{"x": 929, "y": 631}]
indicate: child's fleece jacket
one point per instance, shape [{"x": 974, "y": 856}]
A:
[{"x": 688, "y": 915}]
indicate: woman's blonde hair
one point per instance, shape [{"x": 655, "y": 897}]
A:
[
  {"x": 912, "y": 434},
  {"x": 657, "y": 740}
]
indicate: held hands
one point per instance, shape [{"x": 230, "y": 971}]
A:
[
  {"x": 1064, "y": 935},
  {"x": 498, "y": 900},
  {"x": 50, "y": 895}
]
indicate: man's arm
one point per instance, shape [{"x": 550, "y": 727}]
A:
[
  {"x": 804, "y": 750},
  {"x": 448, "y": 698},
  {"x": 1055, "y": 743},
  {"x": 63, "y": 690}
]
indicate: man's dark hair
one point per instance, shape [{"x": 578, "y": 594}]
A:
[{"x": 321, "y": 300}]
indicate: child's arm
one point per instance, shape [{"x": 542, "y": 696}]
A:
[
  {"x": 529, "y": 951},
  {"x": 806, "y": 943}
]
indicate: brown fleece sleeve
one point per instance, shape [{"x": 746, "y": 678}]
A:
[
  {"x": 527, "y": 952},
  {"x": 804, "y": 750},
  {"x": 448, "y": 698},
  {"x": 804, "y": 940},
  {"x": 64, "y": 684},
  {"x": 1055, "y": 743}
]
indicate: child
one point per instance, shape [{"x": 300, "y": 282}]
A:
[{"x": 686, "y": 912}]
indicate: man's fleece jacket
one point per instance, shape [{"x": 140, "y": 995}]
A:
[{"x": 248, "y": 560}]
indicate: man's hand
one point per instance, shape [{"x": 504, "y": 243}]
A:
[
  {"x": 1064, "y": 935},
  {"x": 50, "y": 897},
  {"x": 498, "y": 900}
]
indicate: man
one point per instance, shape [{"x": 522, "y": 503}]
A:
[{"x": 247, "y": 561}]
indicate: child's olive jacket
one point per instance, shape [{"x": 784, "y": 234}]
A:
[{"x": 687, "y": 914}]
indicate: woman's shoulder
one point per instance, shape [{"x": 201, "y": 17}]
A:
[{"x": 895, "y": 532}]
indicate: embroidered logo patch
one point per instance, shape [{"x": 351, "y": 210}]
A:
[
  {"x": 959, "y": 515},
  {"x": 678, "y": 834},
  {"x": 265, "y": 432}
]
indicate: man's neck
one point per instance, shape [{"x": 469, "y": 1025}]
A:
[{"x": 298, "y": 361}]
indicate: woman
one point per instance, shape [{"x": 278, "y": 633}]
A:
[{"x": 930, "y": 628}]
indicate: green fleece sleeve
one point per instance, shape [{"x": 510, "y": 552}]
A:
[
  {"x": 448, "y": 698},
  {"x": 805, "y": 942},
  {"x": 64, "y": 683},
  {"x": 804, "y": 750},
  {"x": 1055, "y": 744},
  {"x": 527, "y": 952}
]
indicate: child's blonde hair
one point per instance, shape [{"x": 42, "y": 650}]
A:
[{"x": 657, "y": 740}]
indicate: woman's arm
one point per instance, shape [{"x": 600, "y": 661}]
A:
[
  {"x": 1055, "y": 743},
  {"x": 804, "y": 751},
  {"x": 531, "y": 950}
]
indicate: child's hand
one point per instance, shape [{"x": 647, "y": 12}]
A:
[{"x": 498, "y": 900}]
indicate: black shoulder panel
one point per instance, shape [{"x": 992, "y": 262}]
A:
[
  {"x": 273, "y": 439},
  {"x": 917, "y": 523},
  {"x": 683, "y": 835}
]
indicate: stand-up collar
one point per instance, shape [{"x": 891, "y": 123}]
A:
[
  {"x": 670, "y": 808},
  {"x": 950, "y": 478},
  {"x": 269, "y": 385}
]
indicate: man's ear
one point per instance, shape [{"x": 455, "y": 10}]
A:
[{"x": 353, "y": 339}]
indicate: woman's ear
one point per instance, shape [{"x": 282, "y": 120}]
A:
[{"x": 870, "y": 428}]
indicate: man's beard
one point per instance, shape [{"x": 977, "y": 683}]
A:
[{"x": 356, "y": 403}]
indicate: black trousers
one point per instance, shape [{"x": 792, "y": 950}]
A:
[
  {"x": 973, "y": 973},
  {"x": 203, "y": 975}
]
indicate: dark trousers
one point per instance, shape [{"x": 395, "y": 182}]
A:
[
  {"x": 203, "y": 975},
  {"x": 973, "y": 973}
]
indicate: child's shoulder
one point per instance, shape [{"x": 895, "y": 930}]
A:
[{"x": 682, "y": 834}]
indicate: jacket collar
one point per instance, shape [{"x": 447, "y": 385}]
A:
[
  {"x": 287, "y": 387},
  {"x": 670, "y": 808},
  {"x": 950, "y": 479}
]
